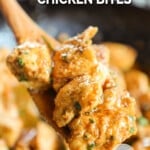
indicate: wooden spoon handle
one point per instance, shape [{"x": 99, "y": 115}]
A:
[
  {"x": 22, "y": 25},
  {"x": 16, "y": 18}
]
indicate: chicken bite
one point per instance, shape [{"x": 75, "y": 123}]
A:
[
  {"x": 109, "y": 124},
  {"x": 137, "y": 82},
  {"x": 122, "y": 56},
  {"x": 99, "y": 114},
  {"x": 31, "y": 63},
  {"x": 144, "y": 102},
  {"x": 79, "y": 95},
  {"x": 76, "y": 57},
  {"x": 90, "y": 101}
]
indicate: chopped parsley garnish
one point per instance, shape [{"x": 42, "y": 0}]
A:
[
  {"x": 20, "y": 62},
  {"x": 142, "y": 121},
  {"x": 85, "y": 136},
  {"x": 91, "y": 120},
  {"x": 90, "y": 146},
  {"x": 132, "y": 130},
  {"x": 23, "y": 78},
  {"x": 77, "y": 106},
  {"x": 64, "y": 57},
  {"x": 26, "y": 53}
]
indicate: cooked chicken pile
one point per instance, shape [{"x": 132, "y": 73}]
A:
[
  {"x": 92, "y": 100},
  {"x": 98, "y": 111},
  {"x": 20, "y": 125}
]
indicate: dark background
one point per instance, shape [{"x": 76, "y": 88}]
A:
[{"x": 126, "y": 24}]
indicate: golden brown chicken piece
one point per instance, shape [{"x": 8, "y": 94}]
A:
[
  {"x": 105, "y": 126},
  {"x": 19, "y": 119},
  {"x": 137, "y": 82},
  {"x": 121, "y": 55},
  {"x": 31, "y": 64},
  {"x": 43, "y": 137},
  {"x": 144, "y": 102},
  {"x": 93, "y": 105},
  {"x": 90, "y": 100},
  {"x": 80, "y": 94},
  {"x": 10, "y": 121},
  {"x": 76, "y": 57},
  {"x": 44, "y": 131}
]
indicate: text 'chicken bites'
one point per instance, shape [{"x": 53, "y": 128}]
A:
[{"x": 91, "y": 98}]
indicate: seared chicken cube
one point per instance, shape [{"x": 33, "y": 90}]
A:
[
  {"x": 46, "y": 138},
  {"x": 121, "y": 55},
  {"x": 91, "y": 99},
  {"x": 80, "y": 94},
  {"x": 137, "y": 82},
  {"x": 31, "y": 64},
  {"x": 76, "y": 57},
  {"x": 106, "y": 126},
  {"x": 144, "y": 102}
]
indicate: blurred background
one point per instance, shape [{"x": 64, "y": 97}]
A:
[{"x": 127, "y": 24}]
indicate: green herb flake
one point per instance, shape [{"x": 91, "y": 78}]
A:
[
  {"x": 132, "y": 130},
  {"x": 20, "y": 62},
  {"x": 77, "y": 106},
  {"x": 85, "y": 136},
  {"x": 23, "y": 78},
  {"x": 26, "y": 53},
  {"x": 90, "y": 146},
  {"x": 64, "y": 57},
  {"x": 22, "y": 112},
  {"x": 91, "y": 120},
  {"x": 143, "y": 121}
]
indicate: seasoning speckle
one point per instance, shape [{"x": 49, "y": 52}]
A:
[
  {"x": 90, "y": 146},
  {"x": 91, "y": 120},
  {"x": 132, "y": 130},
  {"x": 23, "y": 78},
  {"x": 64, "y": 57},
  {"x": 77, "y": 106},
  {"x": 20, "y": 62}
]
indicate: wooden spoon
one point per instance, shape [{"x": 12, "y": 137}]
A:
[
  {"x": 24, "y": 30},
  {"x": 22, "y": 25}
]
